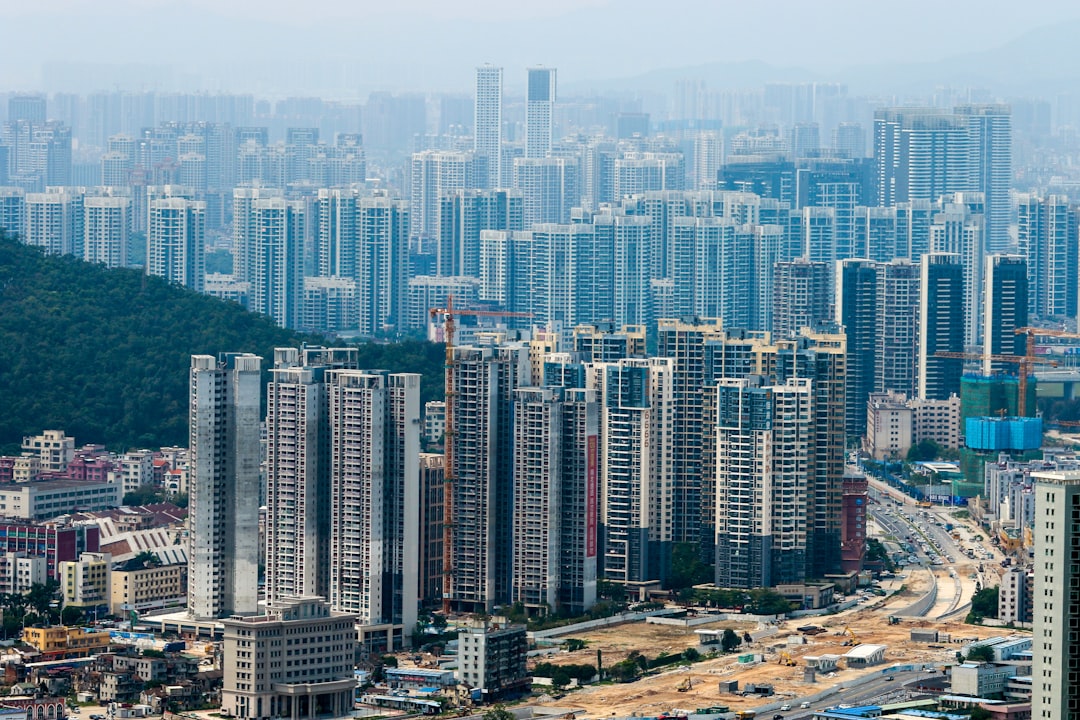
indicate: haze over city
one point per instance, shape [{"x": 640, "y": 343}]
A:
[
  {"x": 576, "y": 360},
  {"x": 347, "y": 48}
]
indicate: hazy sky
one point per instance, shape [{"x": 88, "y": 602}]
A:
[{"x": 433, "y": 44}]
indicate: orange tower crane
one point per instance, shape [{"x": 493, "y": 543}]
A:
[
  {"x": 1027, "y": 365},
  {"x": 448, "y": 314}
]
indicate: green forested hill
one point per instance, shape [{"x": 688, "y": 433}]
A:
[{"x": 104, "y": 354}]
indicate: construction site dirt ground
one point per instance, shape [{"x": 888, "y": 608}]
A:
[{"x": 657, "y": 694}]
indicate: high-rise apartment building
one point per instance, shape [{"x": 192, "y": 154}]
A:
[
  {"x": 365, "y": 240},
  {"x": 1047, "y": 237},
  {"x": 636, "y": 421},
  {"x": 337, "y": 232},
  {"x": 989, "y": 128},
  {"x": 1006, "y": 309},
  {"x": 1055, "y": 692},
  {"x": 343, "y": 487},
  {"x": 877, "y": 303},
  {"x": 856, "y": 311},
  {"x": 12, "y": 210},
  {"x": 922, "y": 153},
  {"x": 896, "y": 331},
  {"x": 54, "y": 221},
  {"x": 374, "y": 543},
  {"x": 462, "y": 216},
  {"x": 176, "y": 241},
  {"x": 549, "y": 188},
  {"x": 298, "y": 471},
  {"x": 487, "y": 122},
  {"x": 539, "y": 112},
  {"x": 606, "y": 342},
  {"x": 684, "y": 342},
  {"x": 223, "y": 467},
  {"x": 941, "y": 325},
  {"x": 434, "y": 173},
  {"x": 106, "y": 224},
  {"x": 275, "y": 253},
  {"x": 483, "y": 380},
  {"x": 764, "y": 451},
  {"x": 555, "y": 499},
  {"x": 382, "y": 262},
  {"x": 957, "y": 227},
  {"x": 800, "y": 296},
  {"x": 819, "y": 356}
]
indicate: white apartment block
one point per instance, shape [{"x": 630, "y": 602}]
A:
[
  {"x": 1056, "y": 637},
  {"x": 374, "y": 544},
  {"x": 637, "y": 405},
  {"x": 54, "y": 448},
  {"x": 176, "y": 241},
  {"x": 106, "y": 226}
]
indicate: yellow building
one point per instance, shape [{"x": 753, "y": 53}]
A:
[
  {"x": 85, "y": 583},
  {"x": 148, "y": 588},
  {"x": 60, "y": 642}
]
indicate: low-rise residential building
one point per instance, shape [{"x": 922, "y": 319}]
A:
[
  {"x": 50, "y": 499},
  {"x": 86, "y": 583},
  {"x": 295, "y": 661},
  {"x": 61, "y": 642},
  {"x": 1003, "y": 648},
  {"x": 981, "y": 680},
  {"x": 148, "y": 588},
  {"x": 19, "y": 571},
  {"x": 26, "y": 468},
  {"x": 894, "y": 423},
  {"x": 136, "y": 469},
  {"x": 53, "y": 447},
  {"x": 491, "y": 657},
  {"x": 937, "y": 420}
]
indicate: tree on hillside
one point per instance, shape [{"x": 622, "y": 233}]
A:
[{"x": 120, "y": 342}]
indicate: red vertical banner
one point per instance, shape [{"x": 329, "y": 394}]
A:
[{"x": 591, "y": 490}]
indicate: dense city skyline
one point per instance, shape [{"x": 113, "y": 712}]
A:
[{"x": 766, "y": 311}]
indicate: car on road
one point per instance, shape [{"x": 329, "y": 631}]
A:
[
  {"x": 785, "y": 707},
  {"x": 805, "y": 705},
  {"x": 889, "y": 678}
]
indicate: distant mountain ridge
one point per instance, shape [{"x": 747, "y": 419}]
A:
[{"x": 1042, "y": 61}]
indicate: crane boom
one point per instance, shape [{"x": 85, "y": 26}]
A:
[{"x": 1026, "y": 362}]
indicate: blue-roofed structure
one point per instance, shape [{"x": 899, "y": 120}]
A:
[{"x": 1008, "y": 434}]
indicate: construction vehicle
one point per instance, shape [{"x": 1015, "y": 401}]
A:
[
  {"x": 786, "y": 659},
  {"x": 893, "y": 620},
  {"x": 449, "y": 313},
  {"x": 685, "y": 685},
  {"x": 852, "y": 640}
]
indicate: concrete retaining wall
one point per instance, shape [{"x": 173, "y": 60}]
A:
[{"x": 602, "y": 622}]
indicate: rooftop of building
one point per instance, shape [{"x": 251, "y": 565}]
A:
[
  {"x": 1057, "y": 477},
  {"x": 57, "y": 484}
]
